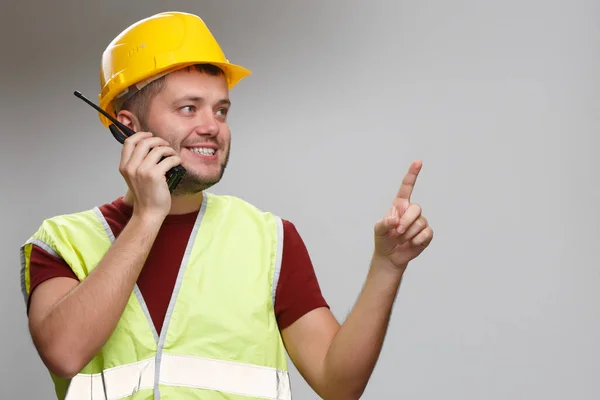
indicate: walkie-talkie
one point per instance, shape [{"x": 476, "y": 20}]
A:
[{"x": 121, "y": 132}]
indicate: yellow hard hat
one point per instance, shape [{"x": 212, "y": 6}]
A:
[{"x": 155, "y": 46}]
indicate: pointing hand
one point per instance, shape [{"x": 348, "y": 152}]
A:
[{"x": 404, "y": 232}]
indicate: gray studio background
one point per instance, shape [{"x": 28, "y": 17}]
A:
[{"x": 499, "y": 99}]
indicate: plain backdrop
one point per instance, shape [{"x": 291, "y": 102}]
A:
[{"x": 500, "y": 100}]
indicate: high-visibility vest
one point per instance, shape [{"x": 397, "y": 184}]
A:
[{"x": 219, "y": 339}]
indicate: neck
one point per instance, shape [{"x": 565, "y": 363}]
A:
[{"x": 182, "y": 204}]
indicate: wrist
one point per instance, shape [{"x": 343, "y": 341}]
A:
[
  {"x": 384, "y": 265},
  {"x": 148, "y": 220}
]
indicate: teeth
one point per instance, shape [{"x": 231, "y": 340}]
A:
[{"x": 203, "y": 150}]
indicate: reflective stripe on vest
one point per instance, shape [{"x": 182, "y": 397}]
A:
[
  {"x": 176, "y": 370},
  {"x": 225, "y": 376}
]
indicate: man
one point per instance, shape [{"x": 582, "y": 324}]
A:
[{"x": 188, "y": 294}]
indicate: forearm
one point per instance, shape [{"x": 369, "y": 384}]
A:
[
  {"x": 355, "y": 349},
  {"x": 79, "y": 324}
]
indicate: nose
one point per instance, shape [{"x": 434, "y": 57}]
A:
[{"x": 207, "y": 124}]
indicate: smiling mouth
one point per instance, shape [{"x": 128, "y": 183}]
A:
[{"x": 203, "y": 151}]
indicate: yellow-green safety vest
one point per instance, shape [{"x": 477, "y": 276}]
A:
[{"x": 219, "y": 339}]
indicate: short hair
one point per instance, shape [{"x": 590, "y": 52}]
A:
[{"x": 138, "y": 103}]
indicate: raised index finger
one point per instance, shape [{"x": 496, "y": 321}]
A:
[{"x": 408, "y": 183}]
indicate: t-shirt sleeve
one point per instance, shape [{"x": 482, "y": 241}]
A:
[
  {"x": 44, "y": 266},
  {"x": 298, "y": 290}
]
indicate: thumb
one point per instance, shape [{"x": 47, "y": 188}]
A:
[{"x": 389, "y": 223}]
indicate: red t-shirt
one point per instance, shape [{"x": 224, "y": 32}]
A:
[{"x": 297, "y": 292}]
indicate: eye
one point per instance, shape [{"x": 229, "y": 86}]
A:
[
  {"x": 187, "y": 109},
  {"x": 222, "y": 112}
]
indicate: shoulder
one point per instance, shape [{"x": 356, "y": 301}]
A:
[
  {"x": 226, "y": 200},
  {"x": 67, "y": 224},
  {"x": 81, "y": 214},
  {"x": 294, "y": 247},
  {"x": 236, "y": 207},
  {"x": 292, "y": 240},
  {"x": 289, "y": 228},
  {"x": 59, "y": 225}
]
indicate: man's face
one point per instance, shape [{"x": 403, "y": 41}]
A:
[{"x": 191, "y": 114}]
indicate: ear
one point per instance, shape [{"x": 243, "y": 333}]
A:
[{"x": 128, "y": 119}]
